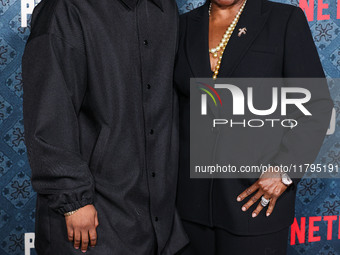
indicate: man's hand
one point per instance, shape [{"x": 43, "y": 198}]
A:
[
  {"x": 269, "y": 186},
  {"x": 81, "y": 226}
]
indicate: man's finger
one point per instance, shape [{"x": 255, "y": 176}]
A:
[
  {"x": 247, "y": 192},
  {"x": 93, "y": 237},
  {"x": 70, "y": 234},
  {"x": 76, "y": 239},
  {"x": 271, "y": 207},
  {"x": 84, "y": 240},
  {"x": 252, "y": 200}
]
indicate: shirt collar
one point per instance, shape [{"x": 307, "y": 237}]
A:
[{"x": 132, "y": 3}]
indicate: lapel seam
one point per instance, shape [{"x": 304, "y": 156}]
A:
[{"x": 197, "y": 18}]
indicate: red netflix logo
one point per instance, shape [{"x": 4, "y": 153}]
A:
[
  {"x": 299, "y": 231},
  {"x": 308, "y": 7}
]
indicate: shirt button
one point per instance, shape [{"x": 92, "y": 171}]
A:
[
  {"x": 148, "y": 86},
  {"x": 156, "y": 218},
  {"x": 146, "y": 42},
  {"x": 153, "y": 174},
  {"x": 151, "y": 132}
]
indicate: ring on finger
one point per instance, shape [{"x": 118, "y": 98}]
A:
[{"x": 264, "y": 201}]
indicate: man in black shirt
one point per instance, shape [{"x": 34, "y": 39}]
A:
[{"x": 100, "y": 123}]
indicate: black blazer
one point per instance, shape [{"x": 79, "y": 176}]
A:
[{"x": 278, "y": 43}]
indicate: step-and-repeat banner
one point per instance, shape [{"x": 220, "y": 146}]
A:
[{"x": 316, "y": 229}]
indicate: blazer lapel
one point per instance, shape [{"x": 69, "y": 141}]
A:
[
  {"x": 253, "y": 20},
  {"x": 197, "y": 42},
  {"x": 197, "y": 48}
]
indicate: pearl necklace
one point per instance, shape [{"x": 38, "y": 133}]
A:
[{"x": 218, "y": 51}]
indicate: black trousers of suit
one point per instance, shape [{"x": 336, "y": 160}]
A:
[{"x": 216, "y": 241}]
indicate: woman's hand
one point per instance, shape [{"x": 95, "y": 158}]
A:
[{"x": 270, "y": 186}]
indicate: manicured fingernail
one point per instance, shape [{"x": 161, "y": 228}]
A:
[
  {"x": 76, "y": 248},
  {"x": 243, "y": 208},
  {"x": 267, "y": 214},
  {"x": 238, "y": 199},
  {"x": 83, "y": 251},
  {"x": 253, "y": 215}
]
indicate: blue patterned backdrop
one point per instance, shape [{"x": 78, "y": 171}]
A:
[{"x": 316, "y": 197}]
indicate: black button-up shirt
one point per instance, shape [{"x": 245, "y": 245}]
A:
[{"x": 101, "y": 122}]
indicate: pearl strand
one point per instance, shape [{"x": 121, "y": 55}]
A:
[{"x": 218, "y": 51}]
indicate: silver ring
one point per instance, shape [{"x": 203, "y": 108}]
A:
[{"x": 264, "y": 201}]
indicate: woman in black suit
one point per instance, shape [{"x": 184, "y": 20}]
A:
[{"x": 264, "y": 39}]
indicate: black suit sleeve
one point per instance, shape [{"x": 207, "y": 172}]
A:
[
  {"x": 301, "y": 144},
  {"x": 54, "y": 83}
]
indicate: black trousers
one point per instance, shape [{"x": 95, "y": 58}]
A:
[{"x": 216, "y": 241}]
